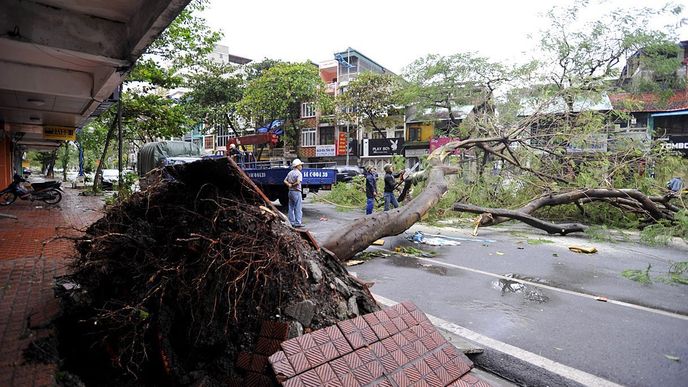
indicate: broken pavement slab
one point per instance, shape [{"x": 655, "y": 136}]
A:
[{"x": 395, "y": 346}]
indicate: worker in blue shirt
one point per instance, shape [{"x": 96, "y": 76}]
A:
[{"x": 293, "y": 182}]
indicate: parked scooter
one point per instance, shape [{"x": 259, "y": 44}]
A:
[{"x": 48, "y": 192}]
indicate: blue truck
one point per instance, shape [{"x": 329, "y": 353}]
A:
[{"x": 269, "y": 176}]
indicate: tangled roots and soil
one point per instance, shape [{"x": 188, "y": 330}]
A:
[{"x": 171, "y": 284}]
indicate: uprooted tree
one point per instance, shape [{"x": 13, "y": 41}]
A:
[{"x": 172, "y": 283}]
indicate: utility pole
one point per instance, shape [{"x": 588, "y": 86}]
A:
[
  {"x": 119, "y": 139},
  {"x": 348, "y": 67}
]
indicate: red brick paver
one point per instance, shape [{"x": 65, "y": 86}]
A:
[
  {"x": 27, "y": 268},
  {"x": 397, "y": 346}
]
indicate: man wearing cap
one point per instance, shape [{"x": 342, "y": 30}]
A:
[
  {"x": 293, "y": 182},
  {"x": 371, "y": 188}
]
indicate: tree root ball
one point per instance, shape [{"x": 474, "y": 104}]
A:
[{"x": 171, "y": 284}]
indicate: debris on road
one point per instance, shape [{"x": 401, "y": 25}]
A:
[
  {"x": 602, "y": 299},
  {"x": 367, "y": 255},
  {"x": 583, "y": 249},
  {"x": 412, "y": 251},
  {"x": 379, "y": 242},
  {"x": 673, "y": 358},
  {"x": 419, "y": 237},
  {"x": 354, "y": 262}
]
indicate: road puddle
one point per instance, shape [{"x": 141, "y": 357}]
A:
[{"x": 530, "y": 293}]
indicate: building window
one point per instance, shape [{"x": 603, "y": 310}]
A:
[
  {"x": 399, "y": 133},
  {"x": 326, "y": 136},
  {"x": 308, "y": 137},
  {"x": 414, "y": 134},
  {"x": 377, "y": 135},
  {"x": 307, "y": 110},
  {"x": 208, "y": 142},
  {"x": 222, "y": 136}
]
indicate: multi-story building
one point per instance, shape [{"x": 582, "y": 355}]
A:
[
  {"x": 329, "y": 138},
  {"x": 427, "y": 128}
]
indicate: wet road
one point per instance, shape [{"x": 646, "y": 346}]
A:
[{"x": 554, "y": 313}]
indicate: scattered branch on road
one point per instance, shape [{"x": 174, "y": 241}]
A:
[{"x": 651, "y": 208}]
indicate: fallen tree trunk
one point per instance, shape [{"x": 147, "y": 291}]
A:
[
  {"x": 360, "y": 233},
  {"x": 654, "y": 208}
]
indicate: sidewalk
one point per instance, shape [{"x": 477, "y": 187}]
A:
[{"x": 27, "y": 269}]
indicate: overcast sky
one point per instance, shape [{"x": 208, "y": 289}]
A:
[{"x": 393, "y": 33}]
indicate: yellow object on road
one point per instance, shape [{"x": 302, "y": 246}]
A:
[
  {"x": 379, "y": 242},
  {"x": 583, "y": 249}
]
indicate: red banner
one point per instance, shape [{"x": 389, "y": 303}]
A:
[
  {"x": 341, "y": 144},
  {"x": 439, "y": 141}
]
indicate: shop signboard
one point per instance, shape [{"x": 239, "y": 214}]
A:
[
  {"x": 341, "y": 144},
  {"x": 382, "y": 146},
  {"x": 325, "y": 150},
  {"x": 415, "y": 152},
  {"x": 61, "y": 133},
  {"x": 441, "y": 141},
  {"x": 677, "y": 143}
]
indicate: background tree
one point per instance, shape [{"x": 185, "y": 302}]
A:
[
  {"x": 582, "y": 56},
  {"x": 278, "y": 94},
  {"x": 215, "y": 90},
  {"x": 255, "y": 69},
  {"x": 370, "y": 99},
  {"x": 447, "y": 82}
]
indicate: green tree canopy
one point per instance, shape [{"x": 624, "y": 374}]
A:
[
  {"x": 370, "y": 98},
  {"x": 446, "y": 82},
  {"x": 214, "y": 91},
  {"x": 278, "y": 94}
]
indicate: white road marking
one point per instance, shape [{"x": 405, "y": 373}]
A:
[
  {"x": 555, "y": 289},
  {"x": 565, "y": 371}
]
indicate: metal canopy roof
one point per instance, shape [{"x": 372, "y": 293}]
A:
[{"x": 61, "y": 59}]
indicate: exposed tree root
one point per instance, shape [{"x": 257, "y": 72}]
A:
[{"x": 175, "y": 281}]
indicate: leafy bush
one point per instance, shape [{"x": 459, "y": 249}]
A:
[
  {"x": 662, "y": 232},
  {"x": 347, "y": 196}
]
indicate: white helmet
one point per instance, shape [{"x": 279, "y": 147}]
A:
[{"x": 296, "y": 163}]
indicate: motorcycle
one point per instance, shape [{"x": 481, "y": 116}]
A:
[{"x": 48, "y": 192}]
